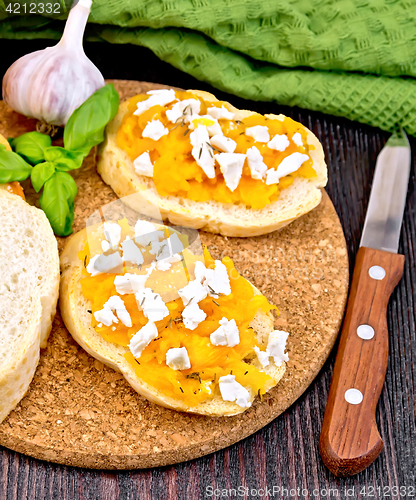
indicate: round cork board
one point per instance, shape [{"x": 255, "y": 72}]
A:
[{"x": 79, "y": 412}]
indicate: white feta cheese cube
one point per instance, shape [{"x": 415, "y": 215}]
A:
[
  {"x": 217, "y": 281},
  {"x": 105, "y": 246},
  {"x": 192, "y": 315},
  {"x": 113, "y": 304},
  {"x": 297, "y": 139},
  {"x": 231, "y": 166},
  {"x": 279, "y": 142},
  {"x": 130, "y": 283},
  {"x": 142, "y": 339},
  {"x": 201, "y": 151},
  {"x": 223, "y": 143},
  {"x": 90, "y": 268},
  {"x": 151, "y": 304},
  {"x": 255, "y": 162},
  {"x": 155, "y": 130},
  {"x": 157, "y": 98},
  {"x": 277, "y": 345},
  {"x": 131, "y": 252},
  {"x": 221, "y": 113},
  {"x": 145, "y": 233},
  {"x": 112, "y": 263},
  {"x": 262, "y": 356},
  {"x": 184, "y": 110},
  {"x": 194, "y": 291},
  {"x": 112, "y": 233},
  {"x": 165, "y": 264},
  {"x": 231, "y": 390},
  {"x": 227, "y": 334},
  {"x": 287, "y": 166},
  {"x": 177, "y": 358},
  {"x": 143, "y": 165},
  {"x": 259, "y": 133}
]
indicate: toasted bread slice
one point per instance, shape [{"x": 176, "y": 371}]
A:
[
  {"x": 74, "y": 309},
  {"x": 116, "y": 168},
  {"x": 29, "y": 285}
]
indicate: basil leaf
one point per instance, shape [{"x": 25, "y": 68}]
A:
[
  {"x": 41, "y": 173},
  {"x": 57, "y": 201},
  {"x": 85, "y": 127},
  {"x": 63, "y": 159},
  {"x": 31, "y": 146},
  {"x": 12, "y": 167}
]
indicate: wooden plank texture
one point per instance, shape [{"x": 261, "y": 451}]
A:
[{"x": 284, "y": 454}]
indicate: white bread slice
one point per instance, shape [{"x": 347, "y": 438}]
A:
[
  {"x": 116, "y": 168},
  {"x": 29, "y": 285},
  {"x": 74, "y": 306}
]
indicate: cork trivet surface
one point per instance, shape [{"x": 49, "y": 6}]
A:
[{"x": 79, "y": 412}]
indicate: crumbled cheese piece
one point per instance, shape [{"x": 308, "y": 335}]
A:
[
  {"x": 262, "y": 356},
  {"x": 130, "y": 283},
  {"x": 155, "y": 130},
  {"x": 152, "y": 304},
  {"x": 275, "y": 348},
  {"x": 145, "y": 233},
  {"x": 160, "y": 249},
  {"x": 231, "y": 166},
  {"x": 113, "y": 304},
  {"x": 165, "y": 264},
  {"x": 211, "y": 124},
  {"x": 112, "y": 233},
  {"x": 221, "y": 113},
  {"x": 142, "y": 339},
  {"x": 177, "y": 358},
  {"x": 131, "y": 253},
  {"x": 143, "y": 165},
  {"x": 157, "y": 98},
  {"x": 297, "y": 139},
  {"x": 279, "y": 142},
  {"x": 223, "y": 143},
  {"x": 277, "y": 345},
  {"x": 194, "y": 291},
  {"x": 255, "y": 161},
  {"x": 201, "y": 150},
  {"x": 184, "y": 109},
  {"x": 175, "y": 244},
  {"x": 105, "y": 246},
  {"x": 259, "y": 133},
  {"x": 105, "y": 264},
  {"x": 192, "y": 315},
  {"x": 231, "y": 390},
  {"x": 216, "y": 280},
  {"x": 227, "y": 334},
  {"x": 287, "y": 166}
]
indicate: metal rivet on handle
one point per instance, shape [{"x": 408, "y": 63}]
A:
[
  {"x": 365, "y": 332},
  {"x": 353, "y": 396},
  {"x": 376, "y": 272}
]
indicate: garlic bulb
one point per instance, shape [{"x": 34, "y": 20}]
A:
[{"x": 50, "y": 84}]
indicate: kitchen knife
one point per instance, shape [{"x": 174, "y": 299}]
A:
[{"x": 350, "y": 440}]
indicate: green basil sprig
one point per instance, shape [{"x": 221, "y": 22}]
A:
[
  {"x": 85, "y": 127},
  {"x": 84, "y": 130},
  {"x": 31, "y": 146},
  {"x": 57, "y": 201},
  {"x": 12, "y": 166}
]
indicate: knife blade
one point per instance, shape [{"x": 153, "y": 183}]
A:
[{"x": 350, "y": 440}]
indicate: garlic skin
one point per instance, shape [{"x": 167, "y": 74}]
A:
[{"x": 50, "y": 84}]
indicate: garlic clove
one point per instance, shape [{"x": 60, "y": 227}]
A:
[{"x": 50, "y": 84}]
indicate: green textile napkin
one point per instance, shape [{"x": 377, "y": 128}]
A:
[{"x": 350, "y": 58}]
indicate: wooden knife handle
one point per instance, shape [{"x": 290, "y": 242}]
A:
[{"x": 350, "y": 440}]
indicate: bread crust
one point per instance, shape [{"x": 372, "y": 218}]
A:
[
  {"x": 73, "y": 307},
  {"x": 17, "y": 373},
  {"x": 116, "y": 168}
]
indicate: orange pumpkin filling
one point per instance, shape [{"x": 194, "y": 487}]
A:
[
  {"x": 176, "y": 171},
  {"x": 208, "y": 362}
]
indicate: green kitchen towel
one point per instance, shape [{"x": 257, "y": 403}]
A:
[{"x": 350, "y": 58}]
